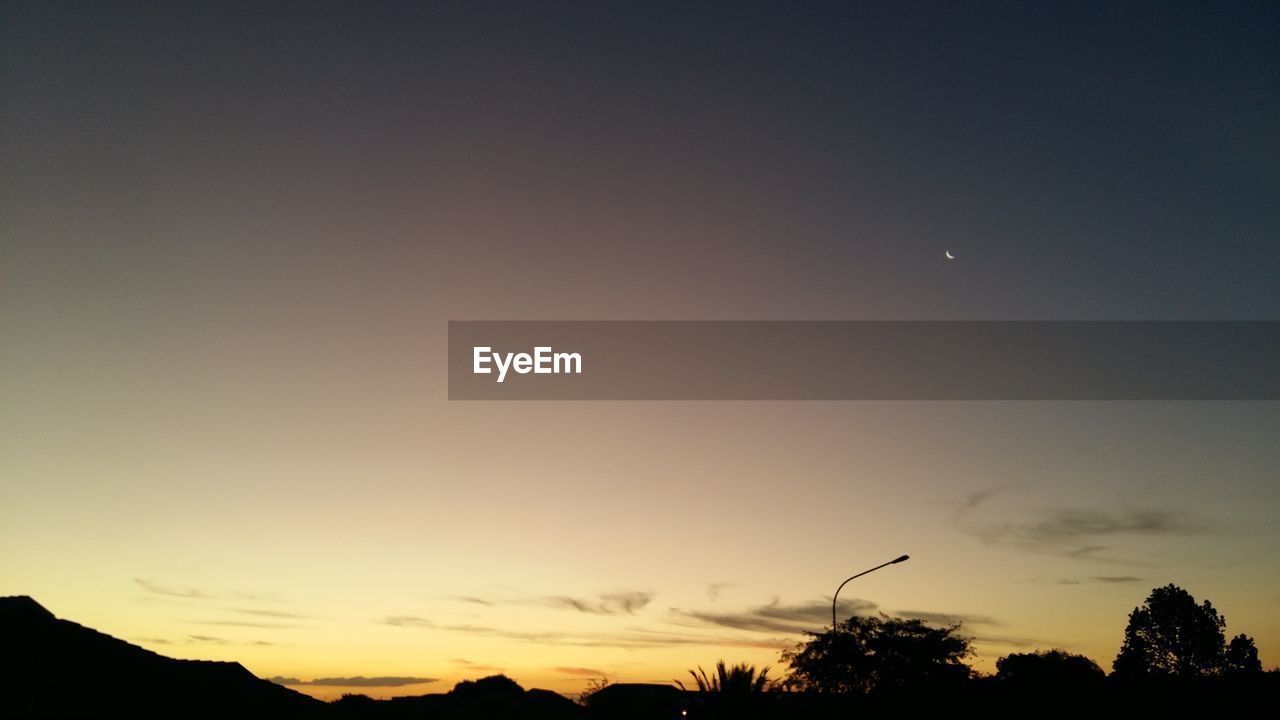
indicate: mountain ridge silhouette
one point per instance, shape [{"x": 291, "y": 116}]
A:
[
  {"x": 51, "y": 667},
  {"x": 58, "y": 667}
]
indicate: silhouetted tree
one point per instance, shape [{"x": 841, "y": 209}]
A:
[
  {"x": 1241, "y": 656},
  {"x": 1048, "y": 668},
  {"x": 490, "y": 685},
  {"x": 878, "y": 654},
  {"x": 741, "y": 679},
  {"x": 356, "y": 705},
  {"x": 733, "y": 692},
  {"x": 594, "y": 685},
  {"x": 1169, "y": 634}
]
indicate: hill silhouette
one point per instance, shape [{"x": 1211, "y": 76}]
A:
[
  {"x": 58, "y": 668},
  {"x": 51, "y": 667}
]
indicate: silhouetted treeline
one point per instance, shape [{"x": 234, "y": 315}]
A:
[
  {"x": 1253, "y": 696},
  {"x": 1176, "y": 662}
]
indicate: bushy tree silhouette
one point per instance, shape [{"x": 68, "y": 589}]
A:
[
  {"x": 1241, "y": 657},
  {"x": 1171, "y": 635},
  {"x": 1056, "y": 668},
  {"x": 878, "y": 654},
  {"x": 489, "y": 685}
]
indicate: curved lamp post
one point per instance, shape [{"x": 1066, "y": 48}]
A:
[{"x": 895, "y": 561}]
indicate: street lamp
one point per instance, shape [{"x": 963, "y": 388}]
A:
[{"x": 895, "y": 561}]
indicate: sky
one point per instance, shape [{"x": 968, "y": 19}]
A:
[{"x": 232, "y": 236}]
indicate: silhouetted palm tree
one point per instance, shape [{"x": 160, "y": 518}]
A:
[{"x": 741, "y": 679}]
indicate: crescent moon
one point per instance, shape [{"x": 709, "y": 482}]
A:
[{"x": 949, "y": 255}]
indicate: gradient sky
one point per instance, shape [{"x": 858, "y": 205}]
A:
[{"x": 231, "y": 237}]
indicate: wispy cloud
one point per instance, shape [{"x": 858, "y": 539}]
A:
[
  {"x": 616, "y": 603},
  {"x": 475, "y": 665},
  {"x": 153, "y": 641},
  {"x": 628, "y": 639},
  {"x": 208, "y": 639},
  {"x": 779, "y": 617},
  {"x": 357, "y": 681},
  {"x": 201, "y": 640},
  {"x": 937, "y": 618},
  {"x": 619, "y": 602},
  {"x": 1066, "y": 525},
  {"x": 1012, "y": 641},
  {"x": 210, "y": 601},
  {"x": 193, "y": 593},
  {"x": 980, "y": 497},
  {"x": 580, "y": 671},
  {"x": 168, "y": 591},
  {"x": 1083, "y": 534},
  {"x": 714, "y": 590},
  {"x": 268, "y": 613},
  {"x": 407, "y": 621},
  {"x": 237, "y": 623},
  {"x": 1104, "y": 579}
]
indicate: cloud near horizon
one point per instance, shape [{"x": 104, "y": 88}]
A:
[
  {"x": 471, "y": 665},
  {"x": 629, "y": 639},
  {"x": 203, "y": 640},
  {"x": 580, "y": 671},
  {"x": 777, "y": 617},
  {"x": 357, "y": 681},
  {"x": 937, "y": 618}
]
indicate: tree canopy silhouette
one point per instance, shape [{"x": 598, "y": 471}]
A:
[
  {"x": 1048, "y": 668},
  {"x": 491, "y": 684},
  {"x": 1171, "y": 635},
  {"x": 878, "y": 654},
  {"x": 1241, "y": 656}
]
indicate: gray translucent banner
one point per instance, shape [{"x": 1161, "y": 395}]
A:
[{"x": 891, "y": 360}]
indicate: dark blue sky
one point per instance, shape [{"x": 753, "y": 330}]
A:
[{"x": 1101, "y": 160}]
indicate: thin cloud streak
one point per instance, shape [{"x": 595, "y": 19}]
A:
[
  {"x": 606, "y": 603},
  {"x": 777, "y": 617},
  {"x": 1103, "y": 579},
  {"x": 620, "y": 602},
  {"x": 357, "y": 681},
  {"x": 580, "y": 671},
  {"x": 268, "y": 613},
  {"x": 1083, "y": 534},
  {"x": 193, "y": 593},
  {"x": 236, "y": 623},
  {"x": 715, "y": 589},
  {"x": 630, "y": 639},
  {"x": 159, "y": 589}
]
